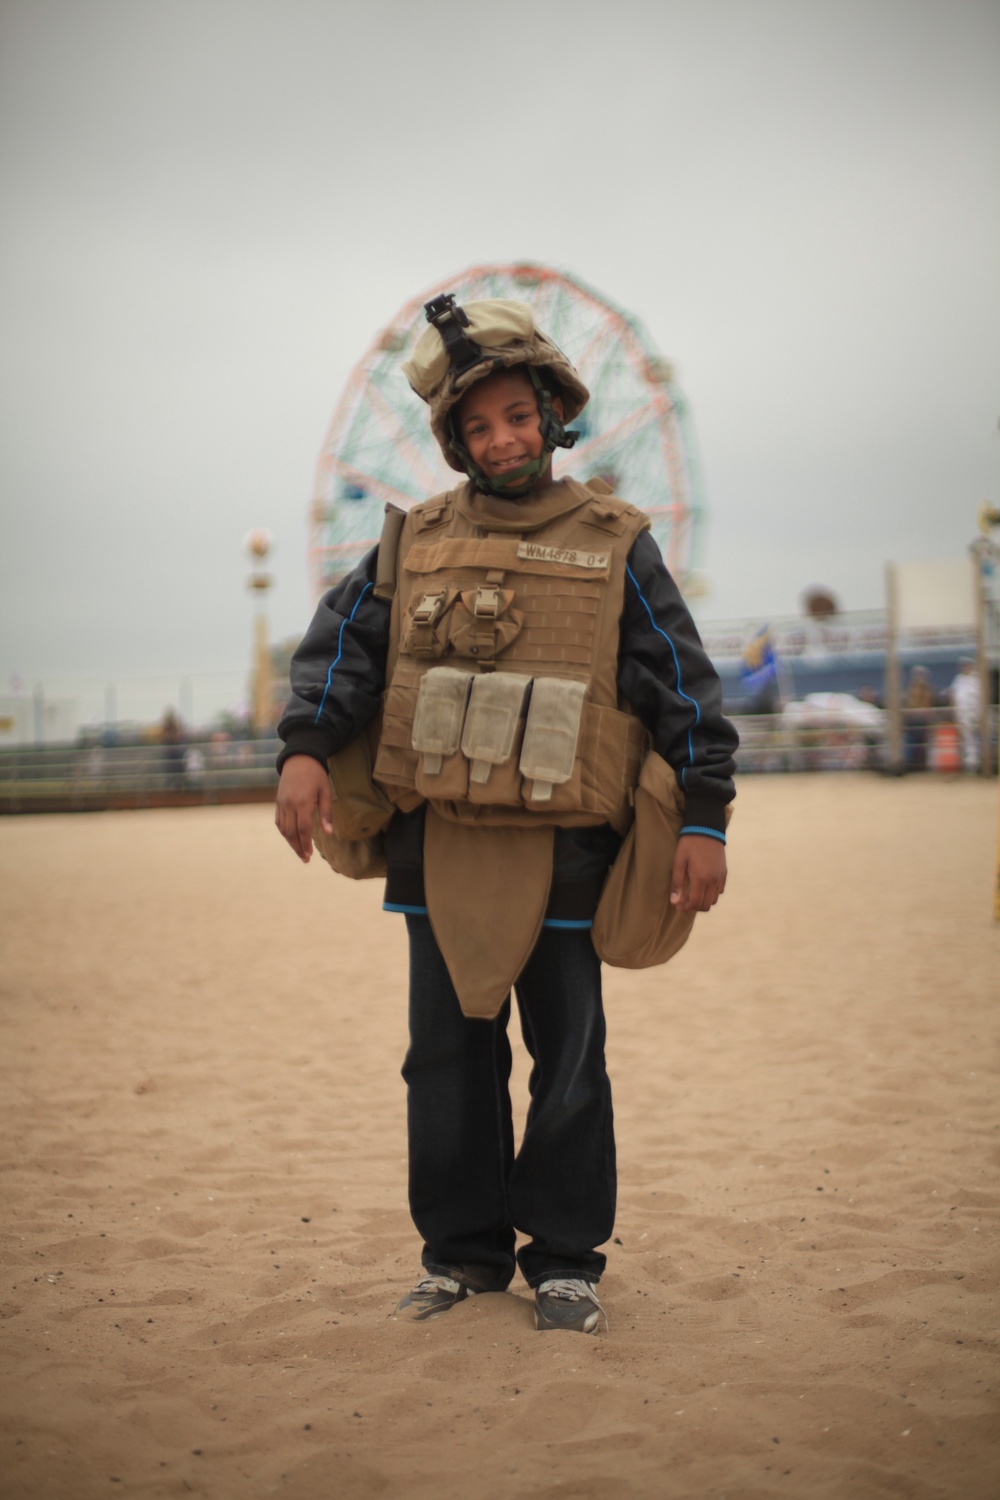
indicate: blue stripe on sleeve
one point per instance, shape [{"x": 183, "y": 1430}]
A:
[
  {"x": 340, "y": 650},
  {"x": 677, "y": 666}
]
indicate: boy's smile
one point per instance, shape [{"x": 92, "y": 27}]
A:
[{"x": 498, "y": 421}]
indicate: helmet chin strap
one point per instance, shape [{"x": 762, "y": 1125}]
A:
[{"x": 517, "y": 482}]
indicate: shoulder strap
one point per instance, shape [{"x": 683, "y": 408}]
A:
[{"x": 388, "y": 551}]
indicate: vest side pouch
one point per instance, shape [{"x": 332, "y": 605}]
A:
[
  {"x": 442, "y": 771},
  {"x": 635, "y": 926},
  {"x": 358, "y": 859},
  {"x": 359, "y": 809},
  {"x": 549, "y": 763},
  {"x": 494, "y": 724}
]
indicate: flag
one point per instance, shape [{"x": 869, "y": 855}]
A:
[{"x": 759, "y": 666}]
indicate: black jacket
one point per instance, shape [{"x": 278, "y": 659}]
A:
[{"x": 338, "y": 677}]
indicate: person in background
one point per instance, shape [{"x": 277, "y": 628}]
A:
[
  {"x": 918, "y": 702},
  {"x": 966, "y": 700},
  {"x": 172, "y": 740}
]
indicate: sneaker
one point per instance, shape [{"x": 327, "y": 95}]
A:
[
  {"x": 431, "y": 1297},
  {"x": 568, "y": 1304}
]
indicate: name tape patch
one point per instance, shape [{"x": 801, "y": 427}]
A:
[{"x": 572, "y": 557}]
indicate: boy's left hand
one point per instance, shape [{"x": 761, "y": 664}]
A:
[{"x": 699, "y": 877}]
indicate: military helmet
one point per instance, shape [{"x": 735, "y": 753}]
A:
[{"x": 465, "y": 344}]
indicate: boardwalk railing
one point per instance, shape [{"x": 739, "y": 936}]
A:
[
  {"x": 820, "y": 742},
  {"x": 773, "y": 743},
  {"x": 73, "y": 778}
]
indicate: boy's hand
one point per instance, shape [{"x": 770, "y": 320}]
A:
[
  {"x": 303, "y": 788},
  {"x": 699, "y": 877}
]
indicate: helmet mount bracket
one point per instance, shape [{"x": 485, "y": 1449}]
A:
[{"x": 449, "y": 319}]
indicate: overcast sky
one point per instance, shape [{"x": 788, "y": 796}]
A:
[{"x": 210, "y": 206}]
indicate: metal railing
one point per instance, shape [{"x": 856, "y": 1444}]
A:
[
  {"x": 80, "y": 778},
  {"x": 771, "y": 743},
  {"x": 69, "y": 777},
  {"x": 778, "y": 742}
]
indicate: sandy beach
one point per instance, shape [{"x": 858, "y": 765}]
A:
[{"x": 205, "y": 1226}]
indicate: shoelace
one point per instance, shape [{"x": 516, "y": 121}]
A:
[
  {"x": 435, "y": 1284},
  {"x": 570, "y": 1291}
]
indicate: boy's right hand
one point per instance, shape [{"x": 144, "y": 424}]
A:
[{"x": 303, "y": 788}]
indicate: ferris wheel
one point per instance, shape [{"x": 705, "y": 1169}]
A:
[{"x": 635, "y": 431}]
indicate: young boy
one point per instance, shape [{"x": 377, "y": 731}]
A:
[{"x": 535, "y": 649}]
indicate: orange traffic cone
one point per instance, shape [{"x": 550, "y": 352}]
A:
[{"x": 946, "y": 752}]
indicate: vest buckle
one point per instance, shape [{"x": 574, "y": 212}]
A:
[
  {"x": 486, "y": 605},
  {"x": 429, "y": 610}
]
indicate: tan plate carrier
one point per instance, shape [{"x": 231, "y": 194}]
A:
[{"x": 501, "y": 709}]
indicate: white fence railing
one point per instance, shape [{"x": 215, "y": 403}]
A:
[
  {"x": 81, "y": 777},
  {"x": 137, "y": 775},
  {"x": 931, "y": 741}
]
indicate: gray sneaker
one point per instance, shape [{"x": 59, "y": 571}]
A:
[
  {"x": 431, "y": 1297},
  {"x": 569, "y": 1304}
]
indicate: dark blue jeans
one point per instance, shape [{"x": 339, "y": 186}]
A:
[{"x": 468, "y": 1190}]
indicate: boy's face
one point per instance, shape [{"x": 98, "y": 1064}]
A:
[{"x": 498, "y": 421}]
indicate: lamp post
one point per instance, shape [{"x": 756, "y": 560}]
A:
[{"x": 259, "y": 545}]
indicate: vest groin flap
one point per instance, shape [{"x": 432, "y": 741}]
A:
[{"x": 486, "y": 891}]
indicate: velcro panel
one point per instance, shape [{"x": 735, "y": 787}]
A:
[
  {"x": 577, "y": 561},
  {"x": 453, "y": 552},
  {"x": 499, "y": 552}
]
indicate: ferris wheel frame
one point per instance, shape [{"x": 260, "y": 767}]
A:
[{"x": 348, "y": 500}]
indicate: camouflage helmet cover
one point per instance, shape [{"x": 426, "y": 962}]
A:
[{"x": 506, "y": 335}]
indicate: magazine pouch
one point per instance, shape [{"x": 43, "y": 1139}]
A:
[
  {"x": 548, "y": 755},
  {"x": 490, "y": 734},
  {"x": 439, "y": 715}
]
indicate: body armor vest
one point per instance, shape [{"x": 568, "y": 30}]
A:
[{"x": 502, "y": 701}]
